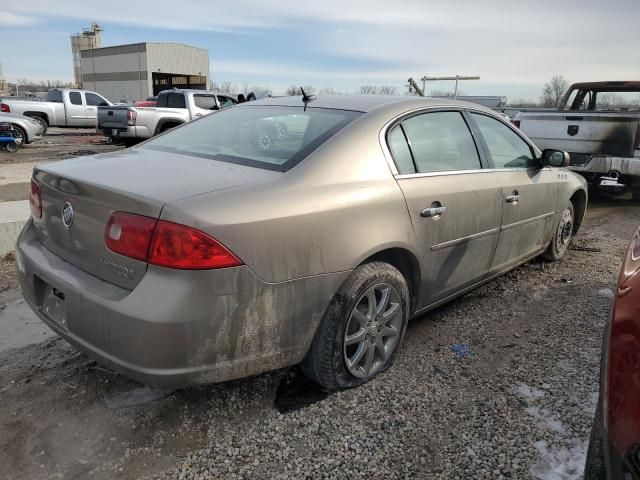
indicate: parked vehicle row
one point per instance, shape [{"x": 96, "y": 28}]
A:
[
  {"x": 62, "y": 108},
  {"x": 232, "y": 255},
  {"x": 598, "y": 123},
  {"x": 173, "y": 108}
]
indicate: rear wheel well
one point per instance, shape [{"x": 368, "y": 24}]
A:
[
  {"x": 407, "y": 264},
  {"x": 168, "y": 126},
  {"x": 41, "y": 115},
  {"x": 579, "y": 202}
]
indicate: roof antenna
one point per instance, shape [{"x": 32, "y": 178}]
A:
[{"x": 306, "y": 98}]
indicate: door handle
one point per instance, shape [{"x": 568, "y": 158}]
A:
[
  {"x": 512, "y": 199},
  {"x": 432, "y": 212},
  {"x": 198, "y": 115}
]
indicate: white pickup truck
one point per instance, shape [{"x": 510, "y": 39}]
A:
[
  {"x": 63, "y": 107},
  {"x": 598, "y": 123},
  {"x": 173, "y": 108}
]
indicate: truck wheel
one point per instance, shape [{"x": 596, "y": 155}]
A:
[
  {"x": 11, "y": 147},
  {"x": 561, "y": 236},
  {"x": 362, "y": 328}
]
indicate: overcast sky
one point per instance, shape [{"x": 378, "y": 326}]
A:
[{"x": 515, "y": 46}]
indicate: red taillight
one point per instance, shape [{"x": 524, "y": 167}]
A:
[
  {"x": 131, "y": 117},
  {"x": 130, "y": 235},
  {"x": 35, "y": 199},
  {"x": 4, "y": 108},
  {"x": 177, "y": 246},
  {"x": 166, "y": 244}
]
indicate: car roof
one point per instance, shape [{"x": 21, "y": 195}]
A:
[{"x": 366, "y": 103}]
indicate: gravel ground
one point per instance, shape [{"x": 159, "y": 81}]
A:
[{"x": 518, "y": 405}]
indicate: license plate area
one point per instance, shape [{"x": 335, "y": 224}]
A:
[{"x": 54, "y": 305}]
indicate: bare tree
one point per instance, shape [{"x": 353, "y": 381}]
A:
[
  {"x": 553, "y": 91},
  {"x": 328, "y": 91},
  {"x": 368, "y": 89},
  {"x": 223, "y": 87},
  {"x": 309, "y": 89},
  {"x": 387, "y": 90},
  {"x": 293, "y": 90},
  {"x": 378, "y": 90}
]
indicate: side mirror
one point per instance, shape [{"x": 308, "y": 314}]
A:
[{"x": 555, "y": 158}]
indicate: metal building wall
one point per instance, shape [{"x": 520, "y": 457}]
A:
[{"x": 126, "y": 71}]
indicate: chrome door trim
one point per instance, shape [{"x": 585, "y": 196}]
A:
[
  {"x": 524, "y": 222},
  {"x": 402, "y": 176},
  {"x": 458, "y": 241}
]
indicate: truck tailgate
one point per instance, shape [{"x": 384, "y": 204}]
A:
[
  {"x": 580, "y": 132},
  {"x": 113, "y": 116}
]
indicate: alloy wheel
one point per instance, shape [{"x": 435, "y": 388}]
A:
[{"x": 373, "y": 331}]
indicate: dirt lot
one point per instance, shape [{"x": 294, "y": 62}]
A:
[{"x": 518, "y": 404}]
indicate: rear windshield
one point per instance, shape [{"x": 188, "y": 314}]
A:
[{"x": 270, "y": 137}]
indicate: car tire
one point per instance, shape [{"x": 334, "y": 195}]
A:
[
  {"x": 22, "y": 140},
  {"x": 594, "y": 467},
  {"x": 561, "y": 235},
  {"x": 362, "y": 329}
]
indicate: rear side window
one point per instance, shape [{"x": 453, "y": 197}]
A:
[
  {"x": 400, "y": 151},
  {"x": 441, "y": 141},
  {"x": 206, "y": 102},
  {"x": 75, "y": 98},
  {"x": 176, "y": 100},
  {"x": 54, "y": 96},
  {"x": 506, "y": 147}
]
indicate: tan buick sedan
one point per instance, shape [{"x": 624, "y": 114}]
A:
[{"x": 285, "y": 231}]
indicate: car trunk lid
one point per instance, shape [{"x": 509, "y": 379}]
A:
[{"x": 137, "y": 181}]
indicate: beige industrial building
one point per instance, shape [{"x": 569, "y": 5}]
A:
[{"x": 140, "y": 70}]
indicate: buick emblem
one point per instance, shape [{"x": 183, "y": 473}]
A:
[{"x": 67, "y": 215}]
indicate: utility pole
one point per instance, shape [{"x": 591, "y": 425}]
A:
[{"x": 457, "y": 78}]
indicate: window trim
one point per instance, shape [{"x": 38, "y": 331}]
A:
[
  {"x": 384, "y": 140},
  {"x": 532, "y": 148}
]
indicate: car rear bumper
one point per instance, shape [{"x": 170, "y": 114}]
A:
[
  {"x": 132, "y": 131},
  {"x": 177, "y": 327}
]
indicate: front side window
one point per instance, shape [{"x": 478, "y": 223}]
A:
[
  {"x": 506, "y": 147},
  {"x": 206, "y": 102},
  {"x": 225, "y": 102},
  {"x": 441, "y": 141},
  {"x": 94, "y": 100},
  {"x": 75, "y": 98},
  {"x": 269, "y": 137}
]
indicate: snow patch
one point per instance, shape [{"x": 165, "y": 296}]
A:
[
  {"x": 527, "y": 393},
  {"x": 606, "y": 292},
  {"x": 559, "y": 463}
]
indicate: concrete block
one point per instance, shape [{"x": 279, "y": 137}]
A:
[{"x": 13, "y": 216}]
